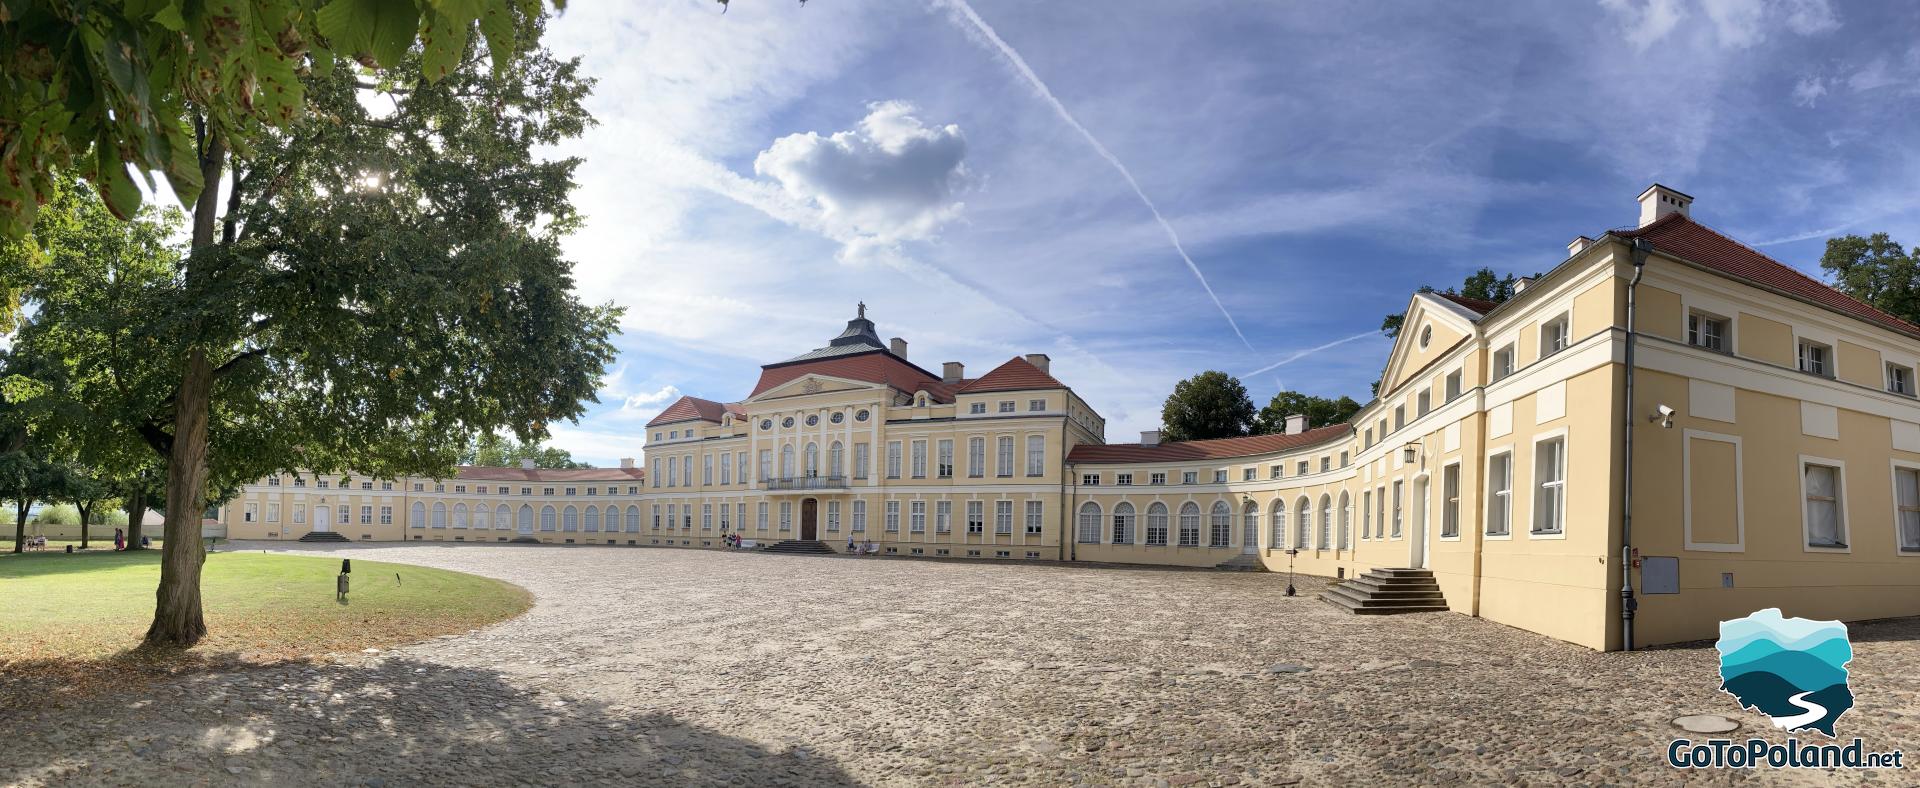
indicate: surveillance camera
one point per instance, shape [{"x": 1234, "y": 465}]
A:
[
  {"x": 1666, "y": 411},
  {"x": 1662, "y": 415}
]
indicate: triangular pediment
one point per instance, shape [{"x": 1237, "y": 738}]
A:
[
  {"x": 814, "y": 384},
  {"x": 1443, "y": 325}
]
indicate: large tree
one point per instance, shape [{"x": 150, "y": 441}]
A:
[
  {"x": 494, "y": 451},
  {"x": 1878, "y": 270},
  {"x": 1483, "y": 284},
  {"x": 368, "y": 288},
  {"x": 1320, "y": 411},
  {"x": 1211, "y": 404}
]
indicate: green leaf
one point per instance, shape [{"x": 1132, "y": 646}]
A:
[
  {"x": 348, "y": 25},
  {"x": 395, "y": 25},
  {"x": 496, "y": 23},
  {"x": 116, "y": 187},
  {"x": 183, "y": 165},
  {"x": 444, "y": 40},
  {"x": 169, "y": 17}
]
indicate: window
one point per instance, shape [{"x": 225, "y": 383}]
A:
[
  {"x": 547, "y": 517},
  {"x": 273, "y": 481},
  {"x": 459, "y": 514},
  {"x": 251, "y": 510},
  {"x": 1426, "y": 336},
  {"x": 1399, "y": 416},
  {"x": 1123, "y": 523},
  {"x": 1815, "y": 358},
  {"x": 1450, "y": 501},
  {"x": 766, "y": 464},
  {"x": 917, "y": 517},
  {"x": 1303, "y": 526},
  {"x": 1189, "y": 477},
  {"x": 860, "y": 457},
  {"x": 440, "y": 515},
  {"x": 1220, "y": 476},
  {"x": 726, "y": 473},
  {"x": 1343, "y": 459},
  {"x": 1423, "y": 403},
  {"x": 1499, "y": 494},
  {"x": 786, "y": 461},
  {"x": 1301, "y": 468},
  {"x": 920, "y": 459},
  {"x": 1900, "y": 379},
  {"x": 943, "y": 517},
  {"x": 1036, "y": 405},
  {"x": 786, "y": 515},
  {"x": 859, "y": 523},
  {"x": 760, "y": 522},
  {"x": 944, "y": 466},
  {"x": 1003, "y": 451},
  {"x": 1273, "y": 471},
  {"x": 1157, "y": 524},
  {"x": 1220, "y": 525},
  {"x": 1090, "y": 480},
  {"x": 706, "y": 517},
  {"x": 1550, "y": 479},
  {"x": 976, "y": 457},
  {"x": 1502, "y": 362},
  {"x": 323, "y": 483},
  {"x": 1006, "y": 406},
  {"x": 1326, "y": 464},
  {"x": 1089, "y": 531},
  {"x": 273, "y": 512},
  {"x": 1399, "y": 496},
  {"x": 673, "y": 517},
  {"x": 656, "y": 517},
  {"x": 1003, "y": 517},
  {"x": 836, "y": 466},
  {"x": 833, "y": 517},
  {"x": 740, "y": 516},
  {"x": 1326, "y": 523},
  {"x": 1707, "y": 331},
  {"x": 1906, "y": 508},
  {"x": 1366, "y": 515},
  {"x": 893, "y": 517},
  {"x": 1123, "y": 479},
  {"x": 1278, "y": 523},
  {"x": 1190, "y": 525},
  {"x": 893, "y": 459},
  {"x": 977, "y": 407},
  {"x": 726, "y": 520},
  {"x": 744, "y": 476},
  {"x": 1156, "y": 478},
  {"x": 976, "y": 517},
  {"x": 810, "y": 462},
  {"x": 1036, "y": 455},
  {"x": 1826, "y": 518},
  {"x": 1553, "y": 336},
  {"x": 386, "y": 515},
  {"x": 1250, "y": 524},
  {"x": 1453, "y": 385}
]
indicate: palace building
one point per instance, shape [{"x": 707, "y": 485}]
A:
[{"x": 1775, "y": 458}]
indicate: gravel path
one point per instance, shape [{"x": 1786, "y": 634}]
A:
[{"x": 683, "y": 667}]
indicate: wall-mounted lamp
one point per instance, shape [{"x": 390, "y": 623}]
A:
[
  {"x": 1663, "y": 416},
  {"x": 1409, "y": 454}
]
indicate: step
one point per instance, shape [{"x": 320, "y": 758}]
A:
[
  {"x": 1371, "y": 600},
  {"x": 1362, "y": 610},
  {"x": 1394, "y": 591},
  {"x": 1243, "y": 563},
  {"x": 1372, "y": 584},
  {"x": 324, "y": 536},
  {"x": 1390, "y": 580},
  {"x": 1400, "y": 572}
]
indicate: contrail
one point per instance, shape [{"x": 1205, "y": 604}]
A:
[
  {"x": 1296, "y": 356},
  {"x": 960, "y": 7}
]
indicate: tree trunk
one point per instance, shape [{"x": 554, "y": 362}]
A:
[
  {"x": 136, "y": 515},
  {"x": 176, "y": 618},
  {"x": 83, "y": 524},
  {"x": 20, "y": 526}
]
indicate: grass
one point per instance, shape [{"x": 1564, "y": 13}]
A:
[
  {"x": 71, "y": 610},
  {"x": 60, "y": 545}
]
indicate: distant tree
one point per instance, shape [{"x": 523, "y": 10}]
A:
[
  {"x": 87, "y": 491},
  {"x": 26, "y": 478},
  {"x": 1878, "y": 270},
  {"x": 1320, "y": 411},
  {"x": 58, "y": 514},
  {"x": 1482, "y": 284},
  {"x": 493, "y": 451},
  {"x": 1208, "y": 405}
]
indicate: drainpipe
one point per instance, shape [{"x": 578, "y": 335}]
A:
[{"x": 1641, "y": 247}]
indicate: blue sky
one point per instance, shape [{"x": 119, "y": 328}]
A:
[{"x": 754, "y": 174}]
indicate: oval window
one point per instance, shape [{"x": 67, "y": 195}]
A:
[
  {"x": 837, "y": 417},
  {"x": 766, "y": 424},
  {"x": 860, "y": 416},
  {"x": 812, "y": 420},
  {"x": 1426, "y": 335},
  {"x": 786, "y": 422}
]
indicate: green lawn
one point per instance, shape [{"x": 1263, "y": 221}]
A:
[{"x": 94, "y": 605}]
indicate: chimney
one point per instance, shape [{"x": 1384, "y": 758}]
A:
[
  {"x": 526, "y": 465},
  {"x": 1521, "y": 285},
  {"x": 952, "y": 372},
  {"x": 898, "y": 346},
  {"x": 1658, "y": 201},
  {"x": 1149, "y": 437},
  {"x": 1578, "y": 244},
  {"x": 1040, "y": 360},
  {"x": 626, "y": 462},
  {"x": 1296, "y": 425}
]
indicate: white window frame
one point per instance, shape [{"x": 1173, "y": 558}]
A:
[
  {"x": 1533, "y": 483},
  {"x": 1003, "y": 517},
  {"x": 1697, "y": 319},
  {"x": 1898, "y": 548},
  {"x": 1497, "y": 371},
  {"x": 893, "y": 517},
  {"x": 1739, "y": 493},
  {"x": 917, "y": 516},
  {"x": 1450, "y": 508},
  {"x": 1800, "y": 347},
  {"x": 920, "y": 458},
  {"x": 1088, "y": 521},
  {"x": 1491, "y": 496},
  {"x": 1840, "y": 496},
  {"x": 976, "y": 457},
  {"x": 1906, "y": 389},
  {"x": 1562, "y": 327},
  {"x": 1036, "y": 518}
]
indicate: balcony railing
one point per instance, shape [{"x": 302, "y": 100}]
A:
[{"x": 804, "y": 483}]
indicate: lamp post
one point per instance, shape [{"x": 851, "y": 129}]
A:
[{"x": 1291, "y": 552}]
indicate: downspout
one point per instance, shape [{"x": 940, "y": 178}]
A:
[
  {"x": 1641, "y": 247},
  {"x": 1072, "y": 499}
]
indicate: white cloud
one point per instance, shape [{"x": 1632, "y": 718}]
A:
[
  {"x": 1808, "y": 17},
  {"x": 1646, "y": 22},
  {"x": 1809, "y": 90},
  {"x": 1736, "y": 24},
  {"x": 653, "y": 400},
  {"x": 893, "y": 178}
]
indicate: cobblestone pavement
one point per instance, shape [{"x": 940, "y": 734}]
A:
[{"x": 681, "y": 667}]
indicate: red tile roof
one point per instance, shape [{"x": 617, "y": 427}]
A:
[
  {"x": 1015, "y": 375},
  {"x": 492, "y": 474},
  {"x": 691, "y": 409},
  {"x": 1675, "y": 235},
  {"x": 1478, "y": 305},
  {"x": 874, "y": 366},
  {"x": 1219, "y": 448}
]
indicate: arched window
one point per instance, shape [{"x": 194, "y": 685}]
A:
[
  {"x": 417, "y": 518},
  {"x": 482, "y": 517},
  {"x": 1250, "y": 525},
  {"x": 1089, "y": 532},
  {"x": 1346, "y": 521},
  {"x": 1123, "y": 523},
  {"x": 1278, "y": 540},
  {"x": 1220, "y": 532},
  {"x": 592, "y": 524},
  {"x": 502, "y": 519},
  {"x": 633, "y": 520},
  {"x": 571, "y": 519},
  {"x": 546, "y": 518},
  {"x": 813, "y": 460},
  {"x": 1303, "y": 528},
  {"x": 459, "y": 515},
  {"x": 1157, "y": 524},
  {"x": 1190, "y": 525},
  {"x": 833, "y": 460},
  {"x": 786, "y": 461},
  {"x": 1326, "y": 521},
  {"x": 526, "y": 518},
  {"x": 439, "y": 515}
]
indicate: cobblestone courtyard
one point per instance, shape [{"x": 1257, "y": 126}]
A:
[{"x": 682, "y": 667}]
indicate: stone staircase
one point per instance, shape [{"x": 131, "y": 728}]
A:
[
  {"x": 1242, "y": 563},
  {"x": 1388, "y": 591},
  {"x": 800, "y": 547},
  {"x": 325, "y": 536}
]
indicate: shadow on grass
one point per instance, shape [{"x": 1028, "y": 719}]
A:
[
  {"x": 40, "y": 564},
  {"x": 394, "y": 721}
]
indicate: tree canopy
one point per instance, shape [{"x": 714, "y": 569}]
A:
[
  {"x": 493, "y": 451},
  {"x": 1878, "y": 270},
  {"x": 1320, "y": 411},
  {"x": 1209, "y": 405},
  {"x": 1483, "y": 284}
]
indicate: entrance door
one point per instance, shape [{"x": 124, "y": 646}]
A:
[
  {"x": 1250, "y": 531},
  {"x": 809, "y": 509},
  {"x": 1419, "y": 541},
  {"x": 322, "y": 519}
]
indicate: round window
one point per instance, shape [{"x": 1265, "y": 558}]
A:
[
  {"x": 860, "y": 416},
  {"x": 812, "y": 420},
  {"x": 1426, "y": 335},
  {"x": 766, "y": 424},
  {"x": 786, "y": 422},
  {"x": 837, "y": 417}
]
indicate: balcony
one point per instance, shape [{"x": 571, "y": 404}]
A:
[{"x": 804, "y": 483}]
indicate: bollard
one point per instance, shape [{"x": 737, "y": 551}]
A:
[{"x": 340, "y": 587}]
